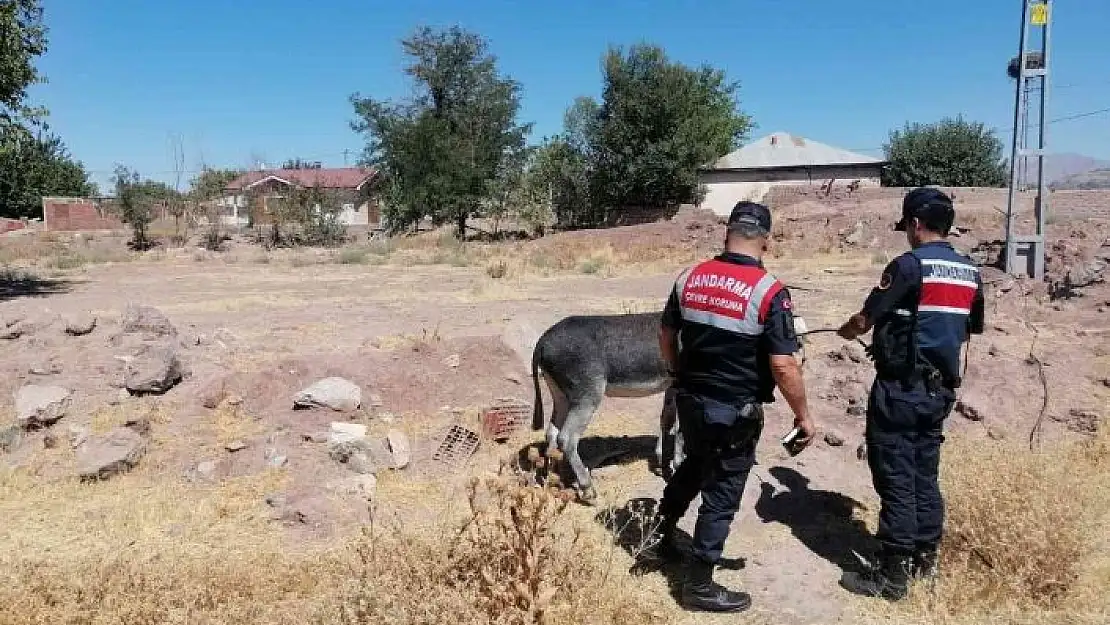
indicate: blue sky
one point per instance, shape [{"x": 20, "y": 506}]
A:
[{"x": 238, "y": 80}]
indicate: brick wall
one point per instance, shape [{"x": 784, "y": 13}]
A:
[
  {"x": 8, "y": 225},
  {"x": 74, "y": 214}
]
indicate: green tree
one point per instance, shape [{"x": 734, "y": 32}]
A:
[
  {"x": 136, "y": 200},
  {"x": 35, "y": 166},
  {"x": 442, "y": 150},
  {"x": 22, "y": 39},
  {"x": 207, "y": 186},
  {"x": 951, "y": 153},
  {"x": 33, "y": 163},
  {"x": 658, "y": 121}
]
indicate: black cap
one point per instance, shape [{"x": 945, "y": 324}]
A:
[
  {"x": 750, "y": 215},
  {"x": 931, "y": 206}
]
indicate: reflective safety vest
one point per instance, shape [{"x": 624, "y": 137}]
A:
[
  {"x": 724, "y": 305},
  {"x": 949, "y": 282},
  {"x": 727, "y": 296}
]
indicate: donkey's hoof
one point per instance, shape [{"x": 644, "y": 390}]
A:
[
  {"x": 588, "y": 495},
  {"x": 555, "y": 455},
  {"x": 534, "y": 456}
]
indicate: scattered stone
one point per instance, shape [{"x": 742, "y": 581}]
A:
[
  {"x": 10, "y": 438},
  {"x": 969, "y": 412},
  {"x": 13, "y": 320},
  {"x": 849, "y": 352},
  {"x": 81, "y": 324},
  {"x": 993, "y": 350},
  {"x": 233, "y": 400},
  {"x": 297, "y": 511},
  {"x": 51, "y": 367},
  {"x": 861, "y": 452},
  {"x": 207, "y": 470},
  {"x": 235, "y": 446},
  {"x": 115, "y": 452},
  {"x": 855, "y": 237},
  {"x": 156, "y": 370},
  {"x": 343, "y": 432},
  {"x": 49, "y": 441},
  {"x": 995, "y": 434},
  {"x": 359, "y": 485},
  {"x": 361, "y": 455},
  {"x": 315, "y": 437},
  {"x": 38, "y": 406},
  {"x": 140, "y": 425},
  {"x": 833, "y": 439},
  {"x": 122, "y": 395},
  {"x": 335, "y": 393},
  {"x": 453, "y": 361},
  {"x": 78, "y": 434},
  {"x": 1105, "y": 382},
  {"x": 146, "y": 320},
  {"x": 376, "y": 400},
  {"x": 857, "y": 407},
  {"x": 399, "y": 446},
  {"x": 13, "y": 332},
  {"x": 514, "y": 378},
  {"x": 1083, "y": 421},
  {"x": 278, "y": 461}
]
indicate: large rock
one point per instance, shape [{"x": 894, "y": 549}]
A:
[
  {"x": 146, "y": 320},
  {"x": 37, "y": 406},
  {"x": 115, "y": 452},
  {"x": 81, "y": 324},
  {"x": 155, "y": 370},
  {"x": 361, "y": 455},
  {"x": 399, "y": 448},
  {"x": 336, "y": 393}
]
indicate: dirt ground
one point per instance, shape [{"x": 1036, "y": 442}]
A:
[{"x": 433, "y": 340}]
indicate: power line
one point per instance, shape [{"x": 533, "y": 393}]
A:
[{"x": 1009, "y": 131}]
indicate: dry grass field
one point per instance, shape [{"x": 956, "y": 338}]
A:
[{"x": 432, "y": 331}]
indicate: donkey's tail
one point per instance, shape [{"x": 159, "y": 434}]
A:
[{"x": 537, "y": 402}]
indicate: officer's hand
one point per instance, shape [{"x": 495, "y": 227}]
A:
[{"x": 809, "y": 431}]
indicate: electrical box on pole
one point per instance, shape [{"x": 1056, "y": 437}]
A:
[{"x": 1025, "y": 253}]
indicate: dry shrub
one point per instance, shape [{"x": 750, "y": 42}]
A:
[
  {"x": 1025, "y": 537},
  {"x": 143, "y": 551},
  {"x": 497, "y": 270}
]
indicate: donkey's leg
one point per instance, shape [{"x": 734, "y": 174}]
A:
[{"x": 583, "y": 405}]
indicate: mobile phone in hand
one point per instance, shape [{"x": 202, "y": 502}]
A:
[{"x": 792, "y": 441}]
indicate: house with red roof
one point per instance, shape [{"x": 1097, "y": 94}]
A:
[{"x": 250, "y": 197}]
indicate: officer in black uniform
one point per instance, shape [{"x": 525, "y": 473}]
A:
[
  {"x": 927, "y": 303},
  {"x": 734, "y": 323}
]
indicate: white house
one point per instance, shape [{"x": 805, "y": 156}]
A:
[
  {"x": 781, "y": 159},
  {"x": 352, "y": 187}
]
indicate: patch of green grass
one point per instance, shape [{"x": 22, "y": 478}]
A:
[
  {"x": 591, "y": 266},
  {"x": 352, "y": 256}
]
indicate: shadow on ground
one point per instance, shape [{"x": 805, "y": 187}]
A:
[
  {"x": 15, "y": 284},
  {"x": 633, "y": 526},
  {"x": 822, "y": 520}
]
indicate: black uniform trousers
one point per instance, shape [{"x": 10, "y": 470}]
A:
[
  {"x": 719, "y": 443},
  {"x": 905, "y": 429}
]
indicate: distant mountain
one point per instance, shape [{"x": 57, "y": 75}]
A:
[
  {"x": 1061, "y": 166},
  {"x": 1093, "y": 179}
]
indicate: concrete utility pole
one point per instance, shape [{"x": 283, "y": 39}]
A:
[{"x": 1025, "y": 254}]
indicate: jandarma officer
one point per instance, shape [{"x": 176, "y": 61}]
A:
[
  {"x": 734, "y": 324},
  {"x": 927, "y": 303}
]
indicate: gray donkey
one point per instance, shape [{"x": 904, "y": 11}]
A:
[{"x": 585, "y": 358}]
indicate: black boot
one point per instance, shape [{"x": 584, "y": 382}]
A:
[
  {"x": 889, "y": 578},
  {"x": 700, "y": 592},
  {"x": 924, "y": 565}
]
